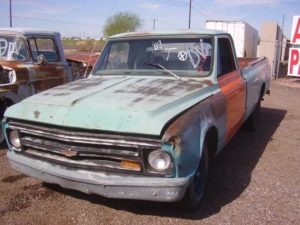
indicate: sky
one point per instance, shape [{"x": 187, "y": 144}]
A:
[{"x": 86, "y": 18}]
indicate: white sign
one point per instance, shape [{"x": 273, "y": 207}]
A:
[
  {"x": 294, "y": 54},
  {"x": 294, "y": 62},
  {"x": 295, "y": 36}
]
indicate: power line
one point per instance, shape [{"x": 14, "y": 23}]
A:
[
  {"x": 52, "y": 21},
  {"x": 205, "y": 13},
  {"x": 172, "y": 2}
]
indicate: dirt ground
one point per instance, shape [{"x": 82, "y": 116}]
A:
[{"x": 255, "y": 180}]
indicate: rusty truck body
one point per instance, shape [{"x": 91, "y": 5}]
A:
[
  {"x": 32, "y": 61},
  {"x": 145, "y": 124}
]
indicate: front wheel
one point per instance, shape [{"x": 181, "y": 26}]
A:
[{"x": 195, "y": 191}]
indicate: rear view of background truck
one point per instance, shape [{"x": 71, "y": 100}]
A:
[{"x": 245, "y": 37}]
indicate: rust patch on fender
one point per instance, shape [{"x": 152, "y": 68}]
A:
[
  {"x": 207, "y": 82},
  {"x": 36, "y": 114},
  {"x": 182, "y": 122}
]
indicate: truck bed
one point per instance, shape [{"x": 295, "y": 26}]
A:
[
  {"x": 254, "y": 70},
  {"x": 245, "y": 62}
]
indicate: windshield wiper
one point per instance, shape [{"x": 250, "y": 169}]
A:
[{"x": 163, "y": 68}]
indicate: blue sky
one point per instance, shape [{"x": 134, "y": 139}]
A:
[{"x": 87, "y": 17}]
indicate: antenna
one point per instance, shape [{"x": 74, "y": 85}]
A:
[
  {"x": 154, "y": 23},
  {"x": 87, "y": 67}
]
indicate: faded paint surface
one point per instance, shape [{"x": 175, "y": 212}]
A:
[
  {"x": 180, "y": 113},
  {"x": 234, "y": 89},
  {"x": 138, "y": 102}
]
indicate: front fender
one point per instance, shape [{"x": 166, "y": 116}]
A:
[{"x": 186, "y": 134}]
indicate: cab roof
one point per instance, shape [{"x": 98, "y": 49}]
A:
[
  {"x": 168, "y": 33},
  {"x": 27, "y": 31}
]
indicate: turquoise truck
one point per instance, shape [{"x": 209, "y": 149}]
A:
[{"x": 145, "y": 124}]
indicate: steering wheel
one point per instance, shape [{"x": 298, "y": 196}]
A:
[
  {"x": 110, "y": 64},
  {"x": 16, "y": 55}
]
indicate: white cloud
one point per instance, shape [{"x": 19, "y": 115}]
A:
[
  {"x": 249, "y": 2},
  {"x": 153, "y": 6}
]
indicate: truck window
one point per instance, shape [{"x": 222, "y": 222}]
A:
[
  {"x": 226, "y": 62},
  {"x": 13, "y": 49},
  {"x": 118, "y": 57},
  {"x": 189, "y": 56},
  {"x": 44, "y": 46}
]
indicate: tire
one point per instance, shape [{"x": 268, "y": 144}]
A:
[
  {"x": 3, "y": 106},
  {"x": 195, "y": 192},
  {"x": 2, "y": 110},
  {"x": 252, "y": 121}
]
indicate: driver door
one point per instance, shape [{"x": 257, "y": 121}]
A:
[{"x": 51, "y": 73}]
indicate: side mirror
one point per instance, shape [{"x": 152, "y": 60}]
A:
[{"x": 41, "y": 60}]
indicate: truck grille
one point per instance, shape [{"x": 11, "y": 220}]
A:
[{"x": 82, "y": 148}]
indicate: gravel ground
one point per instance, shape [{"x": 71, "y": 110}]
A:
[{"x": 255, "y": 180}]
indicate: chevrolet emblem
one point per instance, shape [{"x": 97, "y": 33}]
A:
[{"x": 69, "y": 153}]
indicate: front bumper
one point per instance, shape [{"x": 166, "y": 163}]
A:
[{"x": 101, "y": 183}]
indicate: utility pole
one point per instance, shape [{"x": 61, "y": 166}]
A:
[
  {"x": 282, "y": 24},
  {"x": 154, "y": 23},
  {"x": 190, "y": 12},
  {"x": 281, "y": 37},
  {"x": 10, "y": 14}
]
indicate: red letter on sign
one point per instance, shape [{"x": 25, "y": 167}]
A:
[
  {"x": 297, "y": 32},
  {"x": 294, "y": 59}
]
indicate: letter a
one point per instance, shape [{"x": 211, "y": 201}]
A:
[{"x": 297, "y": 32}]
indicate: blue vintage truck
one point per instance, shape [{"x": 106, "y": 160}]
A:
[{"x": 156, "y": 108}]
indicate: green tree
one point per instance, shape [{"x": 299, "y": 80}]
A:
[{"x": 121, "y": 22}]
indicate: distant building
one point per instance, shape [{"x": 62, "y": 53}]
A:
[{"x": 271, "y": 45}]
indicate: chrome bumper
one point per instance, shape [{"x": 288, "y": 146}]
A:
[{"x": 101, "y": 183}]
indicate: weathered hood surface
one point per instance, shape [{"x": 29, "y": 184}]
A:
[{"x": 121, "y": 104}]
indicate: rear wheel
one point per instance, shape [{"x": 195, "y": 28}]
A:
[
  {"x": 252, "y": 121},
  {"x": 195, "y": 191}
]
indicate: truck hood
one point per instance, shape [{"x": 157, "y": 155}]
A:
[{"x": 120, "y": 104}]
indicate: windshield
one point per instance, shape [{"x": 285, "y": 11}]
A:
[
  {"x": 159, "y": 56},
  {"x": 13, "y": 49}
]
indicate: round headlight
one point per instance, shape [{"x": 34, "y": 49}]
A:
[
  {"x": 159, "y": 160},
  {"x": 14, "y": 139}
]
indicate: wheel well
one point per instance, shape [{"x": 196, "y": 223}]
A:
[
  {"x": 211, "y": 140},
  {"x": 4, "y": 103}
]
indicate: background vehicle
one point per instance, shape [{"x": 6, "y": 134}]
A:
[{"x": 32, "y": 61}]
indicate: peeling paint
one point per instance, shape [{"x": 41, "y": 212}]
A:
[{"x": 36, "y": 114}]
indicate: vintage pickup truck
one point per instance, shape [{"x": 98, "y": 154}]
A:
[
  {"x": 31, "y": 61},
  {"x": 145, "y": 124}
]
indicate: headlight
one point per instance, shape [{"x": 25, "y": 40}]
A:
[
  {"x": 159, "y": 160},
  {"x": 14, "y": 139}
]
